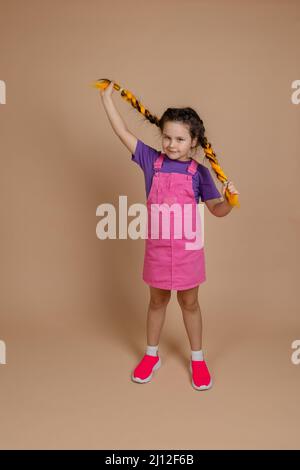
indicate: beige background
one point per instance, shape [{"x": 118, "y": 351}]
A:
[{"x": 73, "y": 308}]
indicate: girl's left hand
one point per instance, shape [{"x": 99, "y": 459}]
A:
[{"x": 229, "y": 185}]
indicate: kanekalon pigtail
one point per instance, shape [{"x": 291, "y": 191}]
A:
[
  {"x": 102, "y": 83},
  {"x": 211, "y": 156}
]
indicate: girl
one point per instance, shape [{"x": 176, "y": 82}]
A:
[{"x": 173, "y": 176}]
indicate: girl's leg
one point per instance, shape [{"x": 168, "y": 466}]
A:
[
  {"x": 159, "y": 299},
  {"x": 188, "y": 301}
]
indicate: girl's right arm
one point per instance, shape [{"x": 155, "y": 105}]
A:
[{"x": 115, "y": 119}]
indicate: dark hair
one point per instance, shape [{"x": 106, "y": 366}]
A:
[{"x": 188, "y": 117}]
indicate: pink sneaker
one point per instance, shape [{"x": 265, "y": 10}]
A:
[
  {"x": 201, "y": 379},
  {"x": 144, "y": 370}
]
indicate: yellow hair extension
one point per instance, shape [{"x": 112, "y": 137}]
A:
[
  {"x": 103, "y": 83},
  {"x": 211, "y": 156}
]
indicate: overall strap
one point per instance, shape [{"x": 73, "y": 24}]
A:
[
  {"x": 192, "y": 168},
  {"x": 158, "y": 162}
]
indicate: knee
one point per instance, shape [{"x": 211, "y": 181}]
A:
[
  {"x": 159, "y": 301},
  {"x": 189, "y": 304}
]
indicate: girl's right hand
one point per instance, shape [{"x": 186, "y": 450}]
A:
[{"x": 107, "y": 92}]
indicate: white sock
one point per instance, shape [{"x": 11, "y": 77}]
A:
[
  {"x": 197, "y": 355},
  {"x": 152, "y": 350}
]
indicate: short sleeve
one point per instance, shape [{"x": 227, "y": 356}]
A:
[
  {"x": 207, "y": 189},
  {"x": 145, "y": 156}
]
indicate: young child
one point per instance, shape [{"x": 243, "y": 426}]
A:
[{"x": 173, "y": 176}]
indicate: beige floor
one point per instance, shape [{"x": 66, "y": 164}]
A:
[{"x": 73, "y": 390}]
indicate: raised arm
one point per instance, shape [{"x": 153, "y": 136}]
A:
[{"x": 115, "y": 119}]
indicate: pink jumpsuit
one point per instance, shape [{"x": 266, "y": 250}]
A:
[{"x": 167, "y": 262}]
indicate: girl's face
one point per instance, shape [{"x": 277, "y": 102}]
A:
[{"x": 176, "y": 141}]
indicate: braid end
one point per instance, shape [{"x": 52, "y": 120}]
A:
[{"x": 232, "y": 199}]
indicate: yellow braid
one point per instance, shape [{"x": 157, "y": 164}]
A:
[
  {"x": 211, "y": 156},
  {"x": 102, "y": 83}
]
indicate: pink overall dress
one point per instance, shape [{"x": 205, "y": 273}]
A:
[{"x": 168, "y": 264}]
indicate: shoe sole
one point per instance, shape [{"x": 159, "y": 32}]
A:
[
  {"x": 202, "y": 387},
  {"x": 147, "y": 379}
]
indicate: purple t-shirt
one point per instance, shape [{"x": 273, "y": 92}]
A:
[{"x": 203, "y": 183}]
